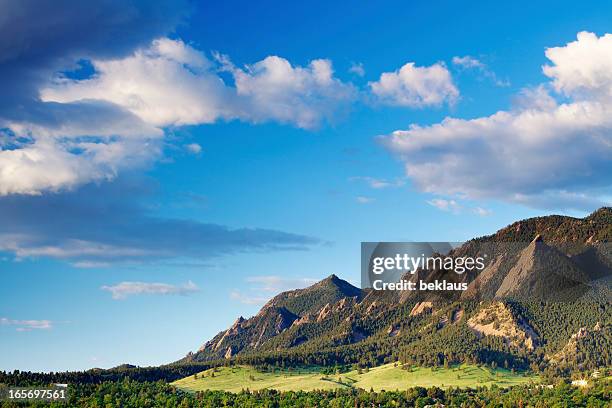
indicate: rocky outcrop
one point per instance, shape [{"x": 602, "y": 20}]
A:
[
  {"x": 421, "y": 307},
  {"x": 497, "y": 320}
]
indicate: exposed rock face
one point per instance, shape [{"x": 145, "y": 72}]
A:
[
  {"x": 497, "y": 320},
  {"x": 457, "y": 315},
  {"x": 541, "y": 269},
  {"x": 420, "y": 308},
  {"x": 324, "y": 312},
  {"x": 393, "y": 330}
]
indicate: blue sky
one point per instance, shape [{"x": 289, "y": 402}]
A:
[{"x": 167, "y": 167}]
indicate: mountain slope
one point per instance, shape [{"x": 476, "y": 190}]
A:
[
  {"x": 278, "y": 315},
  {"x": 506, "y": 317}
]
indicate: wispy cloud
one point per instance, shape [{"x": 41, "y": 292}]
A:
[
  {"x": 379, "y": 183},
  {"x": 364, "y": 199},
  {"x": 26, "y": 325},
  {"x": 470, "y": 63},
  {"x": 125, "y": 289},
  {"x": 455, "y": 207},
  {"x": 271, "y": 285},
  {"x": 90, "y": 264},
  {"x": 248, "y": 299},
  {"x": 357, "y": 69},
  {"x": 194, "y": 148},
  {"x": 483, "y": 212},
  {"x": 275, "y": 283},
  {"x": 445, "y": 205}
]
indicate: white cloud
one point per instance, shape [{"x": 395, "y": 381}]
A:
[
  {"x": 169, "y": 83},
  {"x": 273, "y": 89},
  {"x": 582, "y": 69},
  {"x": 357, "y": 69},
  {"x": 194, "y": 148},
  {"x": 377, "y": 183},
  {"x": 172, "y": 83},
  {"x": 364, "y": 199},
  {"x": 91, "y": 129},
  {"x": 124, "y": 289},
  {"x": 27, "y": 325},
  {"x": 416, "y": 87},
  {"x": 83, "y": 142},
  {"x": 541, "y": 153}
]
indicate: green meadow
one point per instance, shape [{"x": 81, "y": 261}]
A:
[{"x": 386, "y": 377}]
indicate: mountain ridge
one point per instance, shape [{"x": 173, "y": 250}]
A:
[{"x": 334, "y": 320}]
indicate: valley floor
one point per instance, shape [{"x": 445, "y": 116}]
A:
[{"x": 386, "y": 377}]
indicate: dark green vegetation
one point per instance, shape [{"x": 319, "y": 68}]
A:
[
  {"x": 505, "y": 321},
  {"x": 132, "y": 394}
]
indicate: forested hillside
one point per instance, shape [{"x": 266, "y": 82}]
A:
[{"x": 508, "y": 317}]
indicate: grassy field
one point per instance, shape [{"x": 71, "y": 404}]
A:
[{"x": 387, "y": 377}]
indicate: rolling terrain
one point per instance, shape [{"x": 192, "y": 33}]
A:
[{"x": 386, "y": 377}]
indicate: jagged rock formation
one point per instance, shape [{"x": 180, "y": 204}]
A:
[{"x": 503, "y": 311}]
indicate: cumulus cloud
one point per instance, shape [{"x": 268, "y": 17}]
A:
[
  {"x": 123, "y": 290},
  {"x": 78, "y": 143},
  {"x": 172, "y": 83},
  {"x": 273, "y": 89},
  {"x": 416, "y": 87},
  {"x": 101, "y": 225},
  {"x": 59, "y": 130},
  {"x": 542, "y": 153},
  {"x": 26, "y": 325},
  {"x": 50, "y": 146},
  {"x": 167, "y": 83},
  {"x": 470, "y": 63},
  {"x": 582, "y": 69}
]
